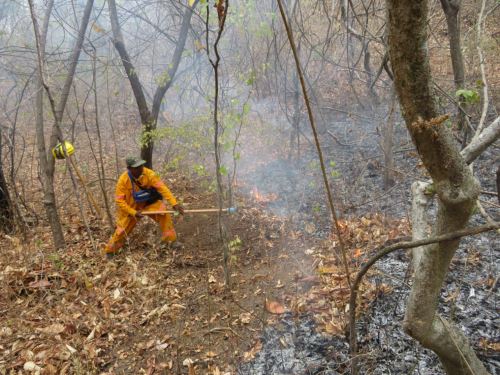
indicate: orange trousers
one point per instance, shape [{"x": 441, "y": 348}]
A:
[{"x": 126, "y": 224}]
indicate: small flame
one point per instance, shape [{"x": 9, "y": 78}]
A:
[{"x": 261, "y": 198}]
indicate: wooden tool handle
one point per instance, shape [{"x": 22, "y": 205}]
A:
[{"x": 185, "y": 211}]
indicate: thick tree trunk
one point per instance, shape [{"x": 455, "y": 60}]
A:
[{"x": 455, "y": 187}]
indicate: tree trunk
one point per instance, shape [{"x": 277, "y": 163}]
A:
[
  {"x": 46, "y": 171},
  {"x": 6, "y": 214},
  {"x": 142, "y": 105},
  {"x": 388, "y": 143},
  {"x": 456, "y": 188},
  {"x": 451, "y": 10}
]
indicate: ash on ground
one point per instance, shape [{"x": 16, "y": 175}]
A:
[{"x": 294, "y": 347}]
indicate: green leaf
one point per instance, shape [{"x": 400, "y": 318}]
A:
[
  {"x": 246, "y": 109},
  {"x": 223, "y": 170},
  {"x": 469, "y": 96}
]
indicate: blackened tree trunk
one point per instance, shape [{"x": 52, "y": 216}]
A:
[{"x": 456, "y": 189}]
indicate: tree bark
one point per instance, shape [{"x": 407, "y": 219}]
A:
[
  {"x": 456, "y": 189},
  {"x": 451, "y": 10}
]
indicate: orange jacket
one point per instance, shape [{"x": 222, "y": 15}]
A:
[{"x": 125, "y": 202}]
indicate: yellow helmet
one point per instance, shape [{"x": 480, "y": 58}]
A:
[{"x": 58, "y": 151}]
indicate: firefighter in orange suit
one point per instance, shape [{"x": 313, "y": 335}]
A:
[{"x": 132, "y": 200}]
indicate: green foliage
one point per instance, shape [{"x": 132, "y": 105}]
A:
[
  {"x": 223, "y": 170},
  {"x": 234, "y": 248},
  {"x": 200, "y": 170},
  {"x": 56, "y": 261},
  {"x": 469, "y": 96},
  {"x": 163, "y": 79},
  {"x": 334, "y": 173}
]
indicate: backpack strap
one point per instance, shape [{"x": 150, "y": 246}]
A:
[{"x": 134, "y": 181}]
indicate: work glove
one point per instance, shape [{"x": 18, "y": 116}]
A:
[{"x": 178, "y": 208}]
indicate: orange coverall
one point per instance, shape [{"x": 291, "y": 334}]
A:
[{"x": 127, "y": 208}]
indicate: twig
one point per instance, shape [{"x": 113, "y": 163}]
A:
[
  {"x": 218, "y": 329},
  {"x": 489, "y": 203}
]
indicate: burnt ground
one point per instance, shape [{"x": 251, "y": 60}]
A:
[{"x": 469, "y": 298}]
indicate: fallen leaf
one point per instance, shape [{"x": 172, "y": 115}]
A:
[
  {"x": 31, "y": 366},
  {"x": 274, "y": 307},
  {"x": 53, "y": 329},
  {"x": 40, "y": 284},
  {"x": 247, "y": 356},
  {"x": 187, "y": 362},
  {"x": 245, "y": 318},
  {"x": 210, "y": 354}
]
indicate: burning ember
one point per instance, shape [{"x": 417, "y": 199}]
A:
[{"x": 262, "y": 198}]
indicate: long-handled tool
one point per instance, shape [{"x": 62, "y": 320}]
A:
[{"x": 229, "y": 210}]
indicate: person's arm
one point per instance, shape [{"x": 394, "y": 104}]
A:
[
  {"x": 121, "y": 191},
  {"x": 165, "y": 192}
]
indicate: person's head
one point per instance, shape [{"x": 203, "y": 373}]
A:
[{"x": 135, "y": 165}]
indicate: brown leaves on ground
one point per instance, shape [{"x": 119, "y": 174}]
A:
[
  {"x": 329, "y": 300},
  {"x": 146, "y": 311}
]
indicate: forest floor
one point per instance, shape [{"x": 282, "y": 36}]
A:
[
  {"x": 154, "y": 311},
  {"x": 150, "y": 311}
]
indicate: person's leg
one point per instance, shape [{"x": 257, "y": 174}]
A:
[
  {"x": 168, "y": 234},
  {"x": 123, "y": 229}
]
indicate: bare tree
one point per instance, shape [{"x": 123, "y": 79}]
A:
[
  {"x": 46, "y": 159},
  {"x": 456, "y": 188},
  {"x": 149, "y": 117}
]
